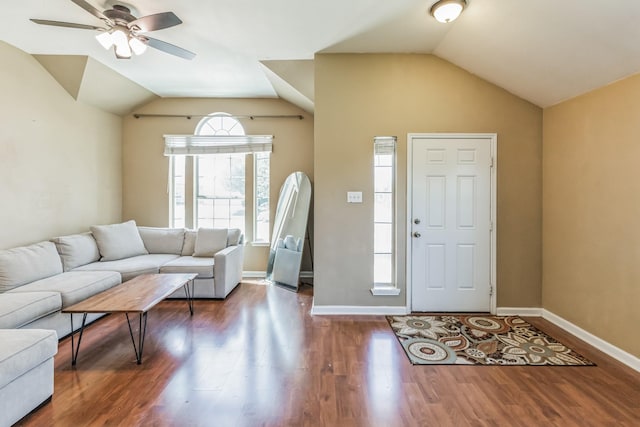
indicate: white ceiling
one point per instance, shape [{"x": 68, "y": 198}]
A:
[{"x": 542, "y": 50}]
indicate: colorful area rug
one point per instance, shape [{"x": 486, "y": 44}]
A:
[{"x": 479, "y": 340}]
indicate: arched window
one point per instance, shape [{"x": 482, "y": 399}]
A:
[
  {"x": 220, "y": 187},
  {"x": 219, "y": 124}
]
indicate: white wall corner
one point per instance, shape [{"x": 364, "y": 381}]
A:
[
  {"x": 611, "y": 350},
  {"x": 519, "y": 311}
]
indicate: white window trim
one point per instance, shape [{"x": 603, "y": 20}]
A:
[
  {"x": 196, "y": 145},
  {"x": 255, "y": 205},
  {"x": 390, "y": 289},
  {"x": 385, "y": 290}
]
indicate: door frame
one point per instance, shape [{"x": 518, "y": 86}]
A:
[{"x": 492, "y": 139}]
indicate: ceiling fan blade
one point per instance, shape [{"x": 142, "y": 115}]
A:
[
  {"x": 158, "y": 21},
  {"x": 169, "y": 48},
  {"x": 66, "y": 24},
  {"x": 92, "y": 10}
]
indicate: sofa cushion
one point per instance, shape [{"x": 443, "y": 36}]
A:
[
  {"x": 162, "y": 240},
  {"x": 74, "y": 286},
  {"x": 21, "y": 308},
  {"x": 188, "y": 264},
  {"x": 23, "y": 350},
  {"x": 189, "y": 245},
  {"x": 28, "y": 263},
  {"x": 209, "y": 241},
  {"x": 233, "y": 237},
  {"x": 131, "y": 267},
  {"x": 76, "y": 250},
  {"x": 118, "y": 241}
]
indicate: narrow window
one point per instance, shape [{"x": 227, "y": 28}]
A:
[
  {"x": 384, "y": 269},
  {"x": 177, "y": 192},
  {"x": 261, "y": 204}
]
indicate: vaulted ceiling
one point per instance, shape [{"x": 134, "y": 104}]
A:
[{"x": 544, "y": 51}]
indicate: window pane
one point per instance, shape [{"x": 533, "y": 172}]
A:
[
  {"x": 178, "y": 192},
  {"x": 384, "y": 160},
  {"x": 221, "y": 191},
  {"x": 382, "y": 238},
  {"x": 205, "y": 213},
  {"x": 383, "y": 179},
  {"x": 383, "y": 268},
  {"x": 383, "y": 208},
  {"x": 221, "y": 208},
  {"x": 261, "y": 225}
]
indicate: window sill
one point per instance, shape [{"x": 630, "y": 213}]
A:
[
  {"x": 259, "y": 243},
  {"x": 385, "y": 290}
]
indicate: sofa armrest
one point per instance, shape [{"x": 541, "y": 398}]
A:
[{"x": 227, "y": 269}]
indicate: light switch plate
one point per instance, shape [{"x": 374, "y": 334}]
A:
[{"x": 354, "y": 196}]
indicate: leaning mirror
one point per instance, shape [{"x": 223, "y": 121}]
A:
[{"x": 289, "y": 228}]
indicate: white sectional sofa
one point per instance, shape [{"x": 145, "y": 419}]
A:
[
  {"x": 26, "y": 371},
  {"x": 37, "y": 281}
]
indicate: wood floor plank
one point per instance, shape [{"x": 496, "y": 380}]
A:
[{"x": 259, "y": 359}]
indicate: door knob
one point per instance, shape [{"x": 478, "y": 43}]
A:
[{"x": 416, "y": 234}]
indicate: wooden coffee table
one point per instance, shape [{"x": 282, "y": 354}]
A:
[{"x": 138, "y": 295}]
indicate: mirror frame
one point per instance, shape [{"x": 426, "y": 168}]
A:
[{"x": 289, "y": 231}]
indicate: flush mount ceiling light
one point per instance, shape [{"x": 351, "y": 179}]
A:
[{"x": 447, "y": 10}]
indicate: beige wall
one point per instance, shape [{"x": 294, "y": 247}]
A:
[
  {"x": 591, "y": 243},
  {"x": 145, "y": 172},
  {"x": 361, "y": 96},
  {"x": 60, "y": 161}
]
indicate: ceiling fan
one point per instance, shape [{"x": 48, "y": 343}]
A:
[{"x": 126, "y": 33}]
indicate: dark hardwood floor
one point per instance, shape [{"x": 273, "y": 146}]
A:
[{"x": 259, "y": 359}]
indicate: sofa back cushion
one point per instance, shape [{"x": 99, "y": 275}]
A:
[
  {"x": 118, "y": 241},
  {"x": 209, "y": 241},
  {"x": 234, "y": 237},
  {"x": 189, "y": 246},
  {"x": 162, "y": 240},
  {"x": 76, "y": 250},
  {"x": 26, "y": 264}
]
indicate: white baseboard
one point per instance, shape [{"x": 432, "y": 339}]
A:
[
  {"x": 344, "y": 310},
  {"x": 254, "y": 274},
  {"x": 519, "y": 311},
  {"x": 602, "y": 345},
  {"x": 263, "y": 274}
]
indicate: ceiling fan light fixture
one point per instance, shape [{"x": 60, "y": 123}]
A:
[
  {"x": 121, "y": 41},
  {"x": 446, "y": 11},
  {"x": 105, "y": 39},
  {"x": 137, "y": 46},
  {"x": 121, "y": 29}
]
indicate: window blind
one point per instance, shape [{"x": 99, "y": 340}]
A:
[
  {"x": 384, "y": 145},
  {"x": 194, "y": 145}
]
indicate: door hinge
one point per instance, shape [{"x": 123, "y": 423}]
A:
[
  {"x": 490, "y": 290},
  {"x": 491, "y": 226},
  {"x": 491, "y": 164}
]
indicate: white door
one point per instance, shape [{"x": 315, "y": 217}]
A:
[{"x": 451, "y": 224}]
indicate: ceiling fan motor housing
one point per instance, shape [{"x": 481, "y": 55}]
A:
[{"x": 121, "y": 15}]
